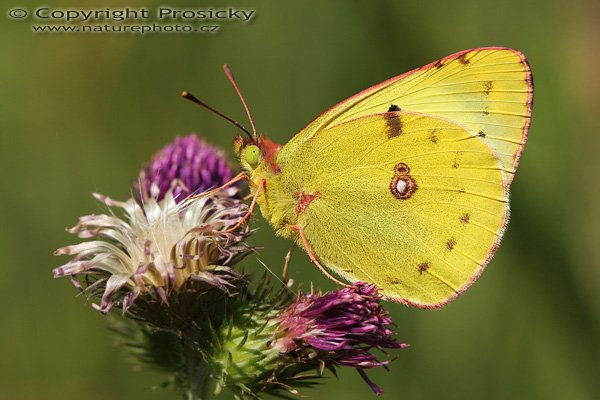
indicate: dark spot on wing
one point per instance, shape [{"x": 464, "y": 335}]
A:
[
  {"x": 433, "y": 136},
  {"x": 456, "y": 163},
  {"x": 394, "y": 124},
  {"x": 463, "y": 59},
  {"x": 465, "y": 218},
  {"x": 423, "y": 267},
  {"x": 487, "y": 87},
  {"x": 438, "y": 64},
  {"x": 481, "y": 134},
  {"x": 450, "y": 244},
  {"x": 486, "y": 111},
  {"x": 393, "y": 107}
]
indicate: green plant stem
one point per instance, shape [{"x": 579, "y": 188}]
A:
[{"x": 197, "y": 382}]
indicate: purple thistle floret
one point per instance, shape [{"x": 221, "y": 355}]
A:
[
  {"x": 188, "y": 165},
  {"x": 339, "y": 328}
]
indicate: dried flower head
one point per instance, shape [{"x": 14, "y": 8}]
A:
[
  {"x": 156, "y": 247},
  {"x": 188, "y": 165}
]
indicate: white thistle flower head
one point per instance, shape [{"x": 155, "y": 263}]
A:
[{"x": 155, "y": 248}]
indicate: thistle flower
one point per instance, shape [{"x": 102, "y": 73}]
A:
[
  {"x": 165, "y": 238},
  {"x": 186, "y": 166},
  {"x": 339, "y": 328},
  {"x": 156, "y": 248}
]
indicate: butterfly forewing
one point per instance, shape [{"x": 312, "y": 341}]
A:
[
  {"x": 488, "y": 91},
  {"x": 412, "y": 203}
]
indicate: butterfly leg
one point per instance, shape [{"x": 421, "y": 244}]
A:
[
  {"x": 288, "y": 257},
  {"x": 260, "y": 186},
  {"x": 312, "y": 256}
]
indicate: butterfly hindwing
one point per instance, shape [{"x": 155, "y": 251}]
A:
[
  {"x": 412, "y": 203},
  {"x": 488, "y": 91}
]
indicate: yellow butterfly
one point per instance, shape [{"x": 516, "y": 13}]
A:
[{"x": 406, "y": 183}]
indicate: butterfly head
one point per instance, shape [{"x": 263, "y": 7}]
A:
[
  {"x": 252, "y": 153},
  {"x": 248, "y": 152}
]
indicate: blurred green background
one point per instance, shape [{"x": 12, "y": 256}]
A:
[{"x": 81, "y": 113}]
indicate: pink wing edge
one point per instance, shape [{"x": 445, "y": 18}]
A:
[{"x": 529, "y": 104}]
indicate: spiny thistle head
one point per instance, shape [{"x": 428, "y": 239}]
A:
[
  {"x": 226, "y": 344},
  {"x": 257, "y": 342},
  {"x": 155, "y": 248},
  {"x": 188, "y": 165}
]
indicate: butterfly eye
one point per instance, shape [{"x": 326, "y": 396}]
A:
[{"x": 252, "y": 155}]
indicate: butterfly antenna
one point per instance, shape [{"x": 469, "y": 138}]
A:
[
  {"x": 193, "y": 99},
  {"x": 237, "y": 89}
]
